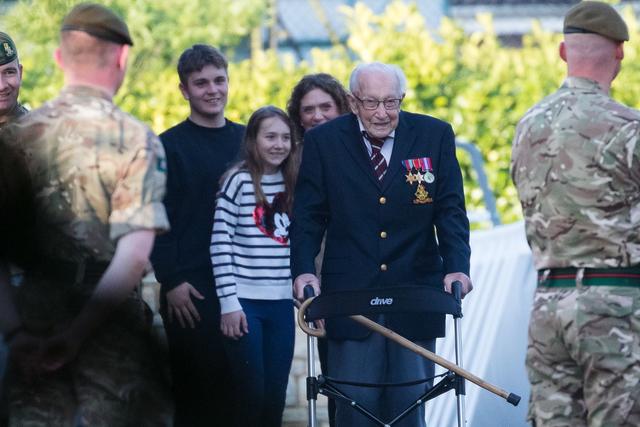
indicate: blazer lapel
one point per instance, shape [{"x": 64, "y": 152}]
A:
[
  {"x": 352, "y": 140},
  {"x": 403, "y": 142}
]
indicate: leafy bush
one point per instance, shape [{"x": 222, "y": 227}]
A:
[{"x": 470, "y": 80}]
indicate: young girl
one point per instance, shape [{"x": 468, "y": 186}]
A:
[{"x": 250, "y": 257}]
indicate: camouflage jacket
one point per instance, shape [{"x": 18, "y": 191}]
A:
[
  {"x": 17, "y": 112},
  {"x": 97, "y": 172},
  {"x": 575, "y": 163}
]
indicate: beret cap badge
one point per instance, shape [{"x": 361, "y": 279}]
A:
[{"x": 8, "y": 52}]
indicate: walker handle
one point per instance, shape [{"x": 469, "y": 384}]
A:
[
  {"x": 308, "y": 292},
  {"x": 456, "y": 290}
]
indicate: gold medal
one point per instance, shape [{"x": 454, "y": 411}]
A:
[{"x": 411, "y": 178}]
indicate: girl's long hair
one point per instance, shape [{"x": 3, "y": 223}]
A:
[{"x": 253, "y": 163}]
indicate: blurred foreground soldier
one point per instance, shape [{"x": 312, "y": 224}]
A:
[
  {"x": 98, "y": 178},
  {"x": 576, "y": 164},
  {"x": 16, "y": 251},
  {"x": 10, "y": 80},
  {"x": 10, "y": 109}
]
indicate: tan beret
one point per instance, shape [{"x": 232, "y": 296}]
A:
[
  {"x": 597, "y": 18},
  {"x": 98, "y": 21},
  {"x": 8, "y": 51}
]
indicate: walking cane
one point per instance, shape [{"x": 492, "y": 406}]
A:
[{"x": 511, "y": 398}]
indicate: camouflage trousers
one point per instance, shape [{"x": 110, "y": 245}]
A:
[
  {"x": 118, "y": 379},
  {"x": 583, "y": 357}
]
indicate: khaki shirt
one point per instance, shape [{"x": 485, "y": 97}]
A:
[
  {"x": 98, "y": 174},
  {"x": 575, "y": 163}
]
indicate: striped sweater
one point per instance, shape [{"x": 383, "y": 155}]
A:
[{"x": 250, "y": 244}]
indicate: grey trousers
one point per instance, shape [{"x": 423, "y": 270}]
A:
[{"x": 379, "y": 360}]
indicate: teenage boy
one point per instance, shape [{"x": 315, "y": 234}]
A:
[{"x": 198, "y": 151}]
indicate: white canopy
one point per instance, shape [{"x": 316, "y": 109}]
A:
[{"x": 494, "y": 331}]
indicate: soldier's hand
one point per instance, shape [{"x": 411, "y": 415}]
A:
[
  {"x": 234, "y": 325},
  {"x": 59, "y": 350},
  {"x": 180, "y": 305}
]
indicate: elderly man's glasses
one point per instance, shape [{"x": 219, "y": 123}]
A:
[{"x": 372, "y": 104}]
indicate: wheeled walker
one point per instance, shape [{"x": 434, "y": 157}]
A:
[{"x": 373, "y": 302}]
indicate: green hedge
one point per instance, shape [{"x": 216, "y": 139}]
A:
[{"x": 470, "y": 80}]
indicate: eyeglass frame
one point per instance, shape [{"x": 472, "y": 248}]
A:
[{"x": 378, "y": 102}]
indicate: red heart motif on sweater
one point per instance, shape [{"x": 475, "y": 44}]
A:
[{"x": 272, "y": 219}]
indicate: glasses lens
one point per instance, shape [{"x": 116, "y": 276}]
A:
[
  {"x": 390, "y": 104},
  {"x": 370, "y": 104}
]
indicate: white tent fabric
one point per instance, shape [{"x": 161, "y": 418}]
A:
[{"x": 494, "y": 331}]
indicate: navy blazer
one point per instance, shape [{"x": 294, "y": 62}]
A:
[{"x": 369, "y": 223}]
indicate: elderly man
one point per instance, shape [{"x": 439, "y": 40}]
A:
[
  {"x": 383, "y": 183},
  {"x": 10, "y": 80},
  {"x": 576, "y": 165},
  {"x": 98, "y": 180}
]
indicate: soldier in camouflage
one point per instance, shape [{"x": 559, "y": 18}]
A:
[
  {"x": 576, "y": 165},
  {"x": 10, "y": 109},
  {"x": 98, "y": 178},
  {"x": 10, "y": 80}
]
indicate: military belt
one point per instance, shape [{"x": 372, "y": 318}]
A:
[
  {"x": 572, "y": 277},
  {"x": 87, "y": 271}
]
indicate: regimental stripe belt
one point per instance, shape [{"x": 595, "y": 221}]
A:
[{"x": 571, "y": 277}]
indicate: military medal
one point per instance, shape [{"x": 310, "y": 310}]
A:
[
  {"x": 423, "y": 175},
  {"x": 411, "y": 178},
  {"x": 428, "y": 175},
  {"x": 422, "y": 195}
]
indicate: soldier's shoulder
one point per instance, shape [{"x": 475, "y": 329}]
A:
[
  {"x": 129, "y": 120},
  {"x": 616, "y": 110},
  {"x": 137, "y": 131},
  {"x": 31, "y": 123},
  {"x": 544, "y": 104},
  {"x": 609, "y": 113},
  {"x": 21, "y": 110}
]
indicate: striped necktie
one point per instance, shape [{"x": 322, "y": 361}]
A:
[{"x": 377, "y": 159}]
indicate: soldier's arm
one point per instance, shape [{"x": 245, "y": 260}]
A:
[
  {"x": 119, "y": 280},
  {"x": 24, "y": 348}
]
